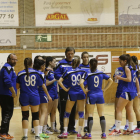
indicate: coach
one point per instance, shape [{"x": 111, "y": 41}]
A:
[
  {"x": 62, "y": 66},
  {"x": 7, "y": 93}
]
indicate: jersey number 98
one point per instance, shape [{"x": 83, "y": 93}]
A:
[
  {"x": 30, "y": 81},
  {"x": 76, "y": 79}
]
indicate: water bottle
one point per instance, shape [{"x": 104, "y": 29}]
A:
[{"x": 116, "y": 73}]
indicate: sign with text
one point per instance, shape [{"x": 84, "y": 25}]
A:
[
  {"x": 74, "y": 12},
  {"x": 7, "y": 37},
  {"x": 9, "y": 13},
  {"x": 43, "y": 38},
  {"x": 104, "y": 58}
]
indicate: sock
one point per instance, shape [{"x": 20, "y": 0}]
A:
[
  {"x": 40, "y": 129},
  {"x": 138, "y": 124},
  {"x": 45, "y": 127},
  {"x": 25, "y": 132},
  {"x": 65, "y": 129},
  {"x": 127, "y": 122},
  {"x": 115, "y": 122},
  {"x": 85, "y": 123},
  {"x": 36, "y": 130},
  {"x": 90, "y": 124},
  {"x": 79, "y": 129},
  {"x": 130, "y": 126},
  {"x": 103, "y": 123},
  {"x": 118, "y": 125},
  {"x": 53, "y": 125},
  {"x": 76, "y": 121}
]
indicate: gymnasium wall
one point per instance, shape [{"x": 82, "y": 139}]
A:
[{"x": 117, "y": 39}]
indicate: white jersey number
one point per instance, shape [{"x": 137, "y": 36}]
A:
[
  {"x": 30, "y": 81},
  {"x": 76, "y": 79},
  {"x": 96, "y": 81}
]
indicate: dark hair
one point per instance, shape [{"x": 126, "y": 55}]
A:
[
  {"x": 38, "y": 63},
  {"x": 128, "y": 59},
  {"x": 10, "y": 56},
  {"x": 75, "y": 62},
  {"x": 93, "y": 64},
  {"x": 135, "y": 60},
  {"x": 36, "y": 57},
  {"x": 44, "y": 57},
  {"x": 69, "y": 49},
  {"x": 84, "y": 53},
  {"x": 27, "y": 63},
  {"x": 48, "y": 60}
]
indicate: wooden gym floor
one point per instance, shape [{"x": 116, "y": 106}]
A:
[{"x": 16, "y": 128}]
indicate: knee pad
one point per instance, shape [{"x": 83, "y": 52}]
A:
[
  {"x": 81, "y": 114},
  {"x": 66, "y": 114},
  {"x": 35, "y": 116},
  {"x": 102, "y": 118},
  {"x": 25, "y": 115}
]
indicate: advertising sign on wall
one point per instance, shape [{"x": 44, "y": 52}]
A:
[{"x": 74, "y": 12}]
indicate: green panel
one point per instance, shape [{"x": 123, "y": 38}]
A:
[{"x": 43, "y": 38}]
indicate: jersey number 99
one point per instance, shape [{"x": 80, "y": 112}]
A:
[
  {"x": 76, "y": 79},
  {"x": 30, "y": 81}
]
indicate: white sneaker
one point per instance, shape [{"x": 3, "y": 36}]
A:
[
  {"x": 56, "y": 131},
  {"x": 48, "y": 132},
  {"x": 32, "y": 131}
]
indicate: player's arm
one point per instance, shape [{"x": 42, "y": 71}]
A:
[
  {"x": 61, "y": 84},
  {"x": 58, "y": 72},
  {"x": 50, "y": 82},
  {"x": 17, "y": 85},
  {"x": 46, "y": 91},
  {"x": 128, "y": 75},
  {"x": 110, "y": 81},
  {"x": 8, "y": 82},
  {"x": 82, "y": 85}
]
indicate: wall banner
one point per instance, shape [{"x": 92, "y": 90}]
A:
[
  {"x": 104, "y": 59},
  {"x": 74, "y": 12},
  {"x": 7, "y": 37}
]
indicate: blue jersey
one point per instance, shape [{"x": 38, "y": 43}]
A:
[
  {"x": 62, "y": 66},
  {"x": 130, "y": 86},
  {"x": 52, "y": 89},
  {"x": 30, "y": 86},
  {"x": 73, "y": 77},
  {"x": 94, "y": 81},
  {"x": 85, "y": 68},
  {"x": 7, "y": 79},
  {"x": 120, "y": 82}
]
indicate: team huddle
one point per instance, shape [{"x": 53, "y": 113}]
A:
[{"x": 78, "y": 87}]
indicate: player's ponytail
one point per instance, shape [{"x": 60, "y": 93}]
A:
[
  {"x": 75, "y": 62},
  {"x": 93, "y": 64},
  {"x": 27, "y": 64}
]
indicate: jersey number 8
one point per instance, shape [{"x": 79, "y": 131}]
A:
[
  {"x": 76, "y": 79},
  {"x": 30, "y": 81}
]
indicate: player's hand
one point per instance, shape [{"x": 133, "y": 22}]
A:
[
  {"x": 13, "y": 95},
  {"x": 86, "y": 91},
  {"x": 118, "y": 77},
  {"x": 138, "y": 94},
  {"x": 50, "y": 99},
  {"x": 68, "y": 89}
]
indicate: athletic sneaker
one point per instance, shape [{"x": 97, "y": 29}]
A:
[
  {"x": 115, "y": 133},
  {"x": 32, "y": 131},
  {"x": 48, "y": 127},
  {"x": 136, "y": 130},
  {"x": 125, "y": 128},
  {"x": 42, "y": 135},
  {"x": 48, "y": 132},
  {"x": 103, "y": 136},
  {"x": 10, "y": 136},
  {"x": 73, "y": 132},
  {"x": 85, "y": 136},
  {"x": 112, "y": 128},
  {"x": 128, "y": 132},
  {"x": 79, "y": 136},
  {"x": 24, "y": 138},
  {"x": 39, "y": 138},
  {"x": 5, "y": 136},
  {"x": 86, "y": 129},
  {"x": 55, "y": 131},
  {"x": 63, "y": 136}
]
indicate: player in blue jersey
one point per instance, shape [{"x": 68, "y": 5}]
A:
[
  {"x": 85, "y": 66},
  {"x": 28, "y": 81},
  {"x": 51, "y": 84},
  {"x": 61, "y": 67},
  {"x": 129, "y": 90},
  {"x": 95, "y": 95},
  {"x": 75, "y": 93},
  {"x": 136, "y": 99}
]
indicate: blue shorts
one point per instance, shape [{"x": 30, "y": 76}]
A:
[
  {"x": 95, "y": 99},
  {"x": 74, "y": 96},
  {"x": 43, "y": 99},
  {"x": 128, "y": 95},
  {"x": 118, "y": 94},
  {"x": 54, "y": 96},
  {"x": 26, "y": 99}
]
